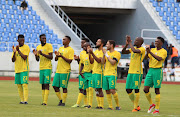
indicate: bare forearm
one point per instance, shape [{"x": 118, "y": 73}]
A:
[
  {"x": 47, "y": 56},
  {"x": 96, "y": 58},
  {"x": 156, "y": 57},
  {"x": 14, "y": 57},
  {"x": 113, "y": 62},
  {"x": 37, "y": 57},
  {"x": 91, "y": 59},
  {"x": 103, "y": 59},
  {"x": 22, "y": 55},
  {"x": 124, "y": 51},
  {"x": 133, "y": 49},
  {"x": 66, "y": 59}
]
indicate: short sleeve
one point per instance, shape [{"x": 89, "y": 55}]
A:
[
  {"x": 117, "y": 56},
  {"x": 50, "y": 48},
  {"x": 163, "y": 55},
  {"x": 130, "y": 50},
  {"x": 142, "y": 49},
  {"x": 71, "y": 54}
]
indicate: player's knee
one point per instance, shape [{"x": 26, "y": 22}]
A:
[
  {"x": 136, "y": 90},
  {"x": 56, "y": 89},
  {"x": 146, "y": 90},
  {"x": 64, "y": 90},
  {"x": 112, "y": 91},
  {"x": 157, "y": 91},
  {"x": 81, "y": 90}
]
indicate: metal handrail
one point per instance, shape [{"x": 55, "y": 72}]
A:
[{"x": 67, "y": 20}]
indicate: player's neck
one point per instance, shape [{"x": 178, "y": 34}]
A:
[
  {"x": 138, "y": 46},
  {"x": 65, "y": 46},
  {"x": 111, "y": 50},
  {"x": 42, "y": 44},
  {"x": 158, "y": 48},
  {"x": 21, "y": 45},
  {"x": 100, "y": 48}
]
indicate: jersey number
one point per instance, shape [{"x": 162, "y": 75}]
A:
[
  {"x": 24, "y": 78},
  {"x": 136, "y": 83}
]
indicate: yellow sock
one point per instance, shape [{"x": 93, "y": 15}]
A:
[
  {"x": 116, "y": 99},
  {"x": 80, "y": 96},
  {"x": 98, "y": 100},
  {"x": 90, "y": 96},
  {"x": 157, "y": 99},
  {"x": 64, "y": 97},
  {"x": 43, "y": 92},
  {"x": 46, "y": 96},
  {"x": 87, "y": 95},
  {"x": 59, "y": 95},
  {"x": 136, "y": 101},
  {"x": 85, "y": 100},
  {"x": 109, "y": 99},
  {"x": 25, "y": 91},
  {"x": 20, "y": 91},
  {"x": 131, "y": 96},
  {"x": 101, "y": 100},
  {"x": 148, "y": 96}
]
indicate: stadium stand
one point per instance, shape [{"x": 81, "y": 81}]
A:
[
  {"x": 169, "y": 11},
  {"x": 14, "y": 21}
]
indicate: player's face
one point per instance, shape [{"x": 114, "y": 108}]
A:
[
  {"x": 65, "y": 41},
  {"x": 85, "y": 46},
  {"x": 108, "y": 45},
  {"x": 158, "y": 43},
  {"x": 43, "y": 39},
  {"x": 82, "y": 43},
  {"x": 21, "y": 41},
  {"x": 136, "y": 42},
  {"x": 98, "y": 43}
]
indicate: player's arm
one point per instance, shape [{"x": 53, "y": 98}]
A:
[
  {"x": 36, "y": 55},
  {"x": 66, "y": 59},
  {"x": 50, "y": 56},
  {"x": 81, "y": 68},
  {"x": 91, "y": 59},
  {"x": 124, "y": 51},
  {"x": 14, "y": 54},
  {"x": 128, "y": 39},
  {"x": 77, "y": 58},
  {"x": 21, "y": 54},
  {"x": 152, "y": 54},
  {"x": 112, "y": 61}
]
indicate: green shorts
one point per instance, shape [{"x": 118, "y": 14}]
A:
[
  {"x": 22, "y": 78},
  {"x": 109, "y": 82},
  {"x": 154, "y": 77},
  {"x": 86, "y": 82},
  {"x": 133, "y": 81},
  {"x": 45, "y": 76},
  {"x": 61, "y": 80},
  {"x": 97, "y": 80}
]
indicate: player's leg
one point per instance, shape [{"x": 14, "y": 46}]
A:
[
  {"x": 129, "y": 87},
  {"x": 47, "y": 81},
  {"x": 98, "y": 86},
  {"x": 85, "y": 98},
  {"x": 108, "y": 93},
  {"x": 20, "y": 89},
  {"x": 112, "y": 87},
  {"x": 64, "y": 80},
  {"x": 96, "y": 90},
  {"x": 56, "y": 86},
  {"x": 89, "y": 84},
  {"x": 81, "y": 91},
  {"x": 158, "y": 77},
  {"x": 41, "y": 81},
  {"x": 147, "y": 84},
  {"x": 24, "y": 80}
]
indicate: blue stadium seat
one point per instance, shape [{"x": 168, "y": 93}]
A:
[
  {"x": 158, "y": 9},
  {"x": 33, "y": 13},
  {"x": 167, "y": 22},
  {"x": 25, "y": 12},
  {"x": 7, "y": 7},
  {"x": 59, "y": 41},
  {"x": 171, "y": 18},
  {"x": 162, "y": 4},
  {"x": 4, "y": 11},
  {"x": 161, "y": 13},
  {"x": 164, "y": 18},
  {"x": 171, "y": 28},
  {"x": 3, "y": 2},
  {"x": 178, "y": 37},
  {"x": 165, "y": 9},
  {"x": 18, "y": 3},
  {"x": 172, "y": 9},
  {"x": 168, "y": 14},
  {"x": 178, "y": 28},
  {"x": 10, "y": 2},
  {"x": 155, "y": 4},
  {"x": 14, "y": 7},
  {"x": 171, "y": 1},
  {"x": 175, "y": 14},
  {"x": 175, "y": 32},
  {"x": 169, "y": 5}
]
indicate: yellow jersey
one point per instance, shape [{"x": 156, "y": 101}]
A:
[
  {"x": 136, "y": 61},
  {"x": 80, "y": 57},
  {"x": 22, "y": 65},
  {"x": 109, "y": 68},
  {"x": 45, "y": 63},
  {"x": 153, "y": 63},
  {"x": 63, "y": 66},
  {"x": 87, "y": 65},
  {"x": 98, "y": 67}
]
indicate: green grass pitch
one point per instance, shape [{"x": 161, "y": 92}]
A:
[{"x": 9, "y": 102}]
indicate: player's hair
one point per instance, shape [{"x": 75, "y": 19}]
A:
[
  {"x": 85, "y": 39},
  {"x": 20, "y": 36},
  {"x": 68, "y": 37},
  {"x": 41, "y": 35},
  {"x": 160, "y": 38},
  {"x": 112, "y": 42},
  {"x": 102, "y": 41}
]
